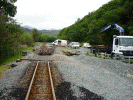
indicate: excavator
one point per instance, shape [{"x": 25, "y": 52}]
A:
[{"x": 122, "y": 45}]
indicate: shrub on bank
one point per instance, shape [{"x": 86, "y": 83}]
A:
[{"x": 26, "y": 39}]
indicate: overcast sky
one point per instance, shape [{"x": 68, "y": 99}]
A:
[{"x": 54, "y": 14}]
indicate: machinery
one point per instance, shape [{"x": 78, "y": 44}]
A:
[
  {"x": 117, "y": 27},
  {"x": 122, "y": 45}
]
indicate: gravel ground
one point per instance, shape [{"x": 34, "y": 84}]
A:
[
  {"x": 107, "y": 78},
  {"x": 84, "y": 77},
  {"x": 11, "y": 81},
  {"x": 11, "y": 84}
]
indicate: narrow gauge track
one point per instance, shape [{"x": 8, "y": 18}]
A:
[{"x": 41, "y": 86}]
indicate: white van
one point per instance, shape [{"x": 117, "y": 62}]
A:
[{"x": 60, "y": 42}]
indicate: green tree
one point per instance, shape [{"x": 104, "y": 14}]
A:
[
  {"x": 46, "y": 38},
  {"x": 36, "y": 35},
  {"x": 8, "y": 7},
  {"x": 43, "y": 38},
  {"x": 10, "y": 31},
  {"x": 51, "y": 39},
  {"x": 26, "y": 39},
  {"x": 9, "y": 42}
]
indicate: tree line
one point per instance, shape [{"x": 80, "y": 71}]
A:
[
  {"x": 88, "y": 28},
  {"x": 12, "y": 36}
]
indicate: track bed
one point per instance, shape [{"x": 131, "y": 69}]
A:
[{"x": 41, "y": 88}]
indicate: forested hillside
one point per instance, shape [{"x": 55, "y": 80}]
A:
[
  {"x": 28, "y": 29},
  {"x": 88, "y": 28},
  {"x": 49, "y": 32}
]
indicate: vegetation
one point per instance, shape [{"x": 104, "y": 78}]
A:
[
  {"x": 35, "y": 34},
  {"x": 88, "y": 28},
  {"x": 53, "y": 33},
  {"x": 87, "y": 54},
  {"x": 12, "y": 59},
  {"x": 27, "y": 48},
  {"x": 40, "y": 37},
  {"x": 8, "y": 60},
  {"x": 18, "y": 56},
  {"x": 9, "y": 36},
  {"x": 43, "y": 32},
  {"x": 46, "y": 38},
  {"x": 12, "y": 36},
  {"x": 8, "y": 7},
  {"x": 3, "y": 68},
  {"x": 26, "y": 39}
]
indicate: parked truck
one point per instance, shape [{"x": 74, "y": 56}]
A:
[{"x": 122, "y": 47}]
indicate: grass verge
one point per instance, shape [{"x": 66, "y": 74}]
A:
[
  {"x": 12, "y": 59},
  {"x": 28, "y": 48},
  {"x": 87, "y": 54},
  {"x": 3, "y": 68}
]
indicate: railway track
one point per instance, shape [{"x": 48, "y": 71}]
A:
[{"x": 41, "y": 85}]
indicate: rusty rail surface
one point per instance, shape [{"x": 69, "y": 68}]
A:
[
  {"x": 51, "y": 81},
  {"x": 28, "y": 93},
  {"x": 41, "y": 85}
]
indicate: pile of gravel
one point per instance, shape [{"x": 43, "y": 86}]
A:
[
  {"x": 104, "y": 77},
  {"x": 115, "y": 66},
  {"x": 11, "y": 80},
  {"x": 69, "y": 91}
]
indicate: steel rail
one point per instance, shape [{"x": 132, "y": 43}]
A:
[
  {"x": 28, "y": 93},
  {"x": 51, "y": 81}
]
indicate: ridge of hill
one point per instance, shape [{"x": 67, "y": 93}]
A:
[{"x": 44, "y": 31}]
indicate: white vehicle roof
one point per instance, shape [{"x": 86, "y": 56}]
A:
[{"x": 124, "y": 36}]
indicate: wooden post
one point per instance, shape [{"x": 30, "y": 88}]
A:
[
  {"x": 115, "y": 56},
  {"x": 89, "y": 51},
  {"x": 92, "y": 50},
  {"x": 98, "y": 52},
  {"x": 105, "y": 55},
  {"x": 129, "y": 59}
]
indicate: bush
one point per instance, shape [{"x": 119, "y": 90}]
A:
[
  {"x": 43, "y": 38},
  {"x": 46, "y": 38},
  {"x": 26, "y": 39},
  {"x": 51, "y": 39},
  {"x": 36, "y": 35}
]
